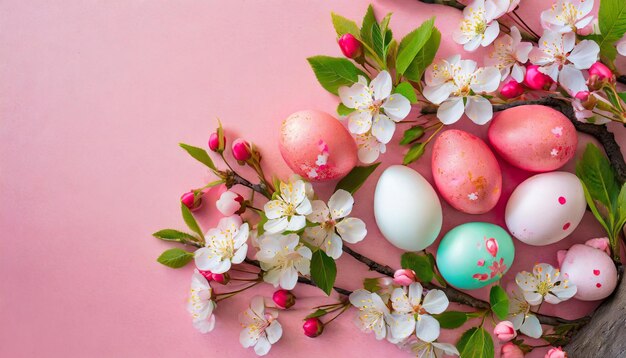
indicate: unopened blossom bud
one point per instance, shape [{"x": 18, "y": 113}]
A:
[
  {"x": 505, "y": 331},
  {"x": 191, "y": 201},
  {"x": 313, "y": 327},
  {"x": 600, "y": 244},
  {"x": 582, "y": 95},
  {"x": 349, "y": 45},
  {"x": 536, "y": 80},
  {"x": 284, "y": 299},
  {"x": 207, "y": 274},
  {"x": 510, "y": 350},
  {"x": 214, "y": 142},
  {"x": 512, "y": 89},
  {"x": 230, "y": 203},
  {"x": 221, "y": 278},
  {"x": 403, "y": 277},
  {"x": 600, "y": 70},
  {"x": 241, "y": 150},
  {"x": 556, "y": 353}
]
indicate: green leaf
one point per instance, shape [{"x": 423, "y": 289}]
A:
[
  {"x": 366, "y": 26},
  {"x": 416, "y": 151},
  {"x": 451, "y": 319},
  {"x": 418, "y": 263},
  {"x": 323, "y": 271},
  {"x": 334, "y": 72},
  {"x": 622, "y": 95},
  {"x": 190, "y": 220},
  {"x": 175, "y": 258},
  {"x": 433, "y": 265},
  {"x": 378, "y": 41},
  {"x": 594, "y": 208},
  {"x": 384, "y": 23},
  {"x": 405, "y": 89},
  {"x": 612, "y": 22},
  {"x": 412, "y": 43},
  {"x": 199, "y": 154},
  {"x": 173, "y": 235},
  {"x": 594, "y": 169},
  {"x": 342, "y": 110},
  {"x": 371, "y": 284},
  {"x": 318, "y": 313},
  {"x": 424, "y": 57},
  {"x": 621, "y": 211},
  {"x": 412, "y": 134},
  {"x": 499, "y": 302},
  {"x": 355, "y": 179},
  {"x": 476, "y": 343},
  {"x": 344, "y": 26}
]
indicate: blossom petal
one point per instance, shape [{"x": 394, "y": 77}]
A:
[
  {"x": 491, "y": 32},
  {"x": 487, "y": 80},
  {"x": 205, "y": 325},
  {"x": 296, "y": 223},
  {"x": 427, "y": 328},
  {"x": 333, "y": 246},
  {"x": 262, "y": 346},
  {"x": 479, "y": 109},
  {"x": 359, "y": 122},
  {"x": 368, "y": 148},
  {"x": 274, "y": 226},
  {"x": 288, "y": 278},
  {"x": 319, "y": 212},
  {"x": 304, "y": 208},
  {"x": 352, "y": 230},
  {"x": 340, "y": 204},
  {"x": 400, "y": 301},
  {"x": 316, "y": 235},
  {"x": 383, "y": 128},
  {"x": 531, "y": 327},
  {"x": 415, "y": 293},
  {"x": 274, "y": 331},
  {"x": 584, "y": 54},
  {"x": 355, "y": 96},
  {"x": 274, "y": 209},
  {"x": 572, "y": 80},
  {"x": 401, "y": 325},
  {"x": 450, "y": 111},
  {"x": 397, "y": 107},
  {"x": 518, "y": 72},
  {"x": 248, "y": 337},
  {"x": 438, "y": 93},
  {"x": 381, "y": 85},
  {"x": 360, "y": 298},
  {"x": 435, "y": 302},
  {"x": 242, "y": 235}
]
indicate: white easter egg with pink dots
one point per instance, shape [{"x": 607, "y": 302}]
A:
[
  {"x": 545, "y": 208},
  {"x": 591, "y": 270}
]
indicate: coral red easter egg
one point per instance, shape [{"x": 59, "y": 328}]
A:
[
  {"x": 591, "y": 270},
  {"x": 316, "y": 146},
  {"x": 466, "y": 172},
  {"x": 534, "y": 138}
]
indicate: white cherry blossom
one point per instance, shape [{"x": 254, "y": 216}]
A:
[
  {"x": 479, "y": 27},
  {"x": 282, "y": 258},
  {"x": 288, "y": 210},
  {"x": 412, "y": 314},
  {"x": 520, "y": 316},
  {"x": 369, "y": 148},
  {"x": 261, "y": 328},
  {"x": 567, "y": 15},
  {"x": 455, "y": 85},
  {"x": 562, "y": 59},
  {"x": 423, "y": 349},
  {"x": 545, "y": 282},
  {"x": 372, "y": 314},
  {"x": 225, "y": 245},
  {"x": 201, "y": 304},
  {"x": 376, "y": 107},
  {"x": 509, "y": 55},
  {"x": 334, "y": 225}
]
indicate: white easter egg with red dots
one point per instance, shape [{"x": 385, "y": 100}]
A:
[
  {"x": 545, "y": 208},
  {"x": 591, "y": 270}
]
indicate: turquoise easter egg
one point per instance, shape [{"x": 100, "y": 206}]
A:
[{"x": 473, "y": 255}]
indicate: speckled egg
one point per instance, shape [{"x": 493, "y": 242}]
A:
[
  {"x": 316, "y": 146},
  {"x": 466, "y": 172},
  {"x": 407, "y": 209},
  {"x": 545, "y": 208},
  {"x": 474, "y": 255},
  {"x": 591, "y": 270},
  {"x": 533, "y": 138}
]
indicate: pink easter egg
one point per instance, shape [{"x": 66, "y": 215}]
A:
[
  {"x": 591, "y": 270},
  {"x": 316, "y": 146},
  {"x": 466, "y": 172},
  {"x": 534, "y": 138}
]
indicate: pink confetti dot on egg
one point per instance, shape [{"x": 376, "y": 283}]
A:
[
  {"x": 566, "y": 226},
  {"x": 562, "y": 200}
]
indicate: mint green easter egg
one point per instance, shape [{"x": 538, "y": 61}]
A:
[{"x": 473, "y": 255}]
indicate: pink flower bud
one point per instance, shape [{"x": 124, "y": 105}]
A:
[
  {"x": 510, "y": 350},
  {"x": 505, "y": 331},
  {"x": 512, "y": 89},
  {"x": 214, "y": 142},
  {"x": 284, "y": 299},
  {"x": 207, "y": 274},
  {"x": 536, "y": 80},
  {"x": 600, "y": 70},
  {"x": 221, "y": 278},
  {"x": 229, "y": 203},
  {"x": 582, "y": 95},
  {"x": 403, "y": 277},
  {"x": 313, "y": 327},
  {"x": 556, "y": 353},
  {"x": 241, "y": 150},
  {"x": 349, "y": 45},
  {"x": 191, "y": 201},
  {"x": 600, "y": 244}
]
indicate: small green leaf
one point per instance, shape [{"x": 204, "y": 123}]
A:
[
  {"x": 334, "y": 72},
  {"x": 433, "y": 265},
  {"x": 621, "y": 211},
  {"x": 344, "y": 26},
  {"x": 412, "y": 134},
  {"x": 199, "y": 154},
  {"x": 412, "y": 43},
  {"x": 366, "y": 26},
  {"x": 384, "y": 23},
  {"x": 612, "y": 23},
  {"x": 173, "y": 235},
  {"x": 342, "y": 110},
  {"x": 405, "y": 89},
  {"x": 424, "y": 57},
  {"x": 595, "y": 170},
  {"x": 190, "y": 220},
  {"x": 323, "y": 271},
  {"x": 371, "y": 284},
  {"x": 378, "y": 41},
  {"x": 355, "y": 179},
  {"x": 594, "y": 208},
  {"x": 499, "y": 302},
  {"x": 451, "y": 319},
  {"x": 622, "y": 95},
  {"x": 318, "y": 313},
  {"x": 476, "y": 343},
  {"x": 416, "y": 151},
  {"x": 418, "y": 263},
  {"x": 175, "y": 258}
]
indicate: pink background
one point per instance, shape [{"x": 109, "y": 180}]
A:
[{"x": 95, "y": 96}]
